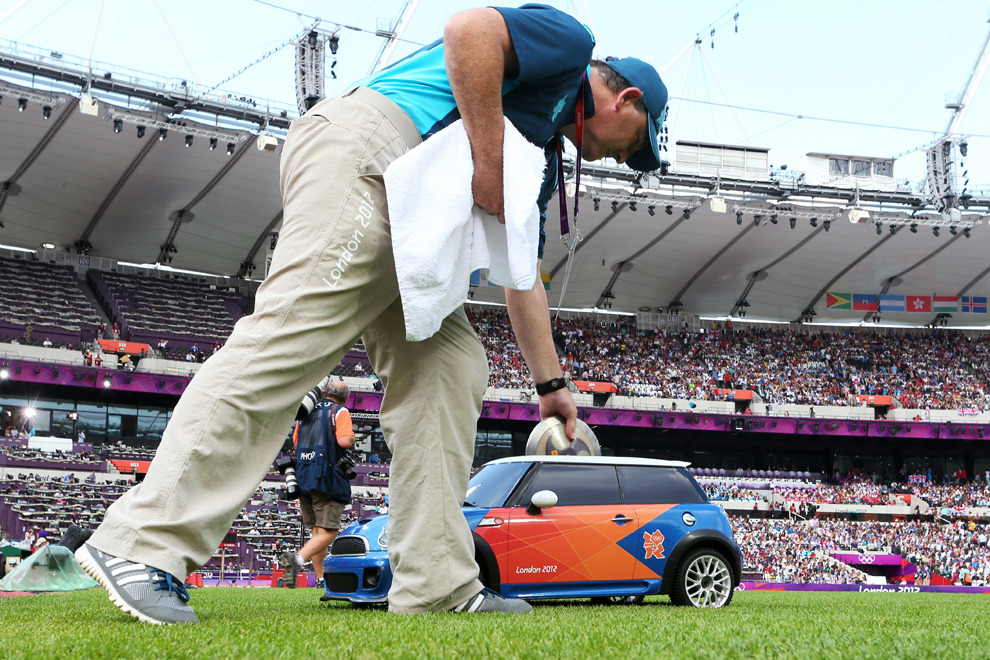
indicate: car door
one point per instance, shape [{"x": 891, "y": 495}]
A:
[
  {"x": 575, "y": 542},
  {"x": 662, "y": 498}
]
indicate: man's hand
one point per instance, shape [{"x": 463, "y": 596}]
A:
[
  {"x": 560, "y": 403},
  {"x": 488, "y": 185}
]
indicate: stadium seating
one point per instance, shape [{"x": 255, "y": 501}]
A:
[{"x": 49, "y": 298}]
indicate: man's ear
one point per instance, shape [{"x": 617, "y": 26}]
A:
[{"x": 628, "y": 95}]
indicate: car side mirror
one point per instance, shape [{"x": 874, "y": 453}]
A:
[{"x": 542, "y": 499}]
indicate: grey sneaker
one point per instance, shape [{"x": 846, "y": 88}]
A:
[
  {"x": 487, "y": 600},
  {"x": 290, "y": 564},
  {"x": 144, "y": 592}
]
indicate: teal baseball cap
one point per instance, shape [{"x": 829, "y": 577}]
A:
[{"x": 644, "y": 77}]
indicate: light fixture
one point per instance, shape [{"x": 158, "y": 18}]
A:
[
  {"x": 814, "y": 222},
  {"x": 189, "y": 141},
  {"x": 935, "y": 231},
  {"x": 632, "y": 206},
  {"x": 966, "y": 232},
  {"x": 773, "y": 218},
  {"x": 914, "y": 227},
  {"x": 793, "y": 222},
  {"x": 827, "y": 224},
  {"x": 46, "y": 112},
  {"x": 739, "y": 217},
  {"x": 213, "y": 143},
  {"x": 893, "y": 229},
  {"x": 615, "y": 206},
  {"x": 118, "y": 125},
  {"x": 21, "y": 104},
  {"x": 879, "y": 229},
  {"x": 598, "y": 203},
  {"x": 652, "y": 210},
  {"x": 4, "y": 373},
  {"x": 686, "y": 213},
  {"x": 230, "y": 148},
  {"x": 162, "y": 134},
  {"x": 106, "y": 381},
  {"x": 953, "y": 230},
  {"x": 669, "y": 210},
  {"x": 858, "y": 215},
  {"x": 140, "y": 131},
  {"x": 48, "y": 246},
  {"x": 756, "y": 220}
]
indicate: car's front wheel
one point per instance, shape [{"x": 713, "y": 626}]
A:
[{"x": 703, "y": 579}]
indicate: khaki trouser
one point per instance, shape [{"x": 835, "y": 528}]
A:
[{"x": 332, "y": 280}]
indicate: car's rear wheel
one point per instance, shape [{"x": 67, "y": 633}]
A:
[
  {"x": 703, "y": 579},
  {"x": 616, "y": 600}
]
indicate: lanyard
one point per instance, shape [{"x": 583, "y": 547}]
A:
[{"x": 579, "y": 143}]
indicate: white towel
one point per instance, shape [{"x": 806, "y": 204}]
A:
[{"x": 439, "y": 236}]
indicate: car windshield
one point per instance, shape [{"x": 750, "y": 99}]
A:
[{"x": 493, "y": 483}]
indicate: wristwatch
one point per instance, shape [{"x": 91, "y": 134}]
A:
[{"x": 551, "y": 385}]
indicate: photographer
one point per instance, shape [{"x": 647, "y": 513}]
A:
[{"x": 323, "y": 485}]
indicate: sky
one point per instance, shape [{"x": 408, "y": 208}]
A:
[{"x": 855, "y": 77}]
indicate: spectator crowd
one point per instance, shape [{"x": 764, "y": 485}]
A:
[{"x": 937, "y": 369}]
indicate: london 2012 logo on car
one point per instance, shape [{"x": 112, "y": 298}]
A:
[{"x": 653, "y": 544}]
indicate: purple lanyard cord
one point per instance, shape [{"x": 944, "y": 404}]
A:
[{"x": 579, "y": 143}]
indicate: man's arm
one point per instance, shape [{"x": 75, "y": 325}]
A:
[
  {"x": 478, "y": 54},
  {"x": 344, "y": 428},
  {"x": 530, "y": 317}
]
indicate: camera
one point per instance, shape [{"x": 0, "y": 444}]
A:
[
  {"x": 287, "y": 468},
  {"x": 313, "y": 397},
  {"x": 345, "y": 463}
]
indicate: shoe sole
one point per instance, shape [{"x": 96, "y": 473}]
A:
[
  {"x": 289, "y": 583},
  {"x": 92, "y": 567}
]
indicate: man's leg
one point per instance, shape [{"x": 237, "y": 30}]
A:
[
  {"x": 332, "y": 274},
  {"x": 322, "y": 516},
  {"x": 316, "y": 548},
  {"x": 429, "y": 415}
]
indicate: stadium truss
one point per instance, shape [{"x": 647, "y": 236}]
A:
[{"x": 164, "y": 173}]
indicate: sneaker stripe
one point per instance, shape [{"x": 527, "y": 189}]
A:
[
  {"x": 478, "y": 600},
  {"x": 133, "y": 567},
  {"x": 133, "y": 578},
  {"x": 472, "y": 603}
]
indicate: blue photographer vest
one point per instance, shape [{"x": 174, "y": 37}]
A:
[{"x": 317, "y": 453}]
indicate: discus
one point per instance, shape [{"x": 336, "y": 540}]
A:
[{"x": 549, "y": 439}]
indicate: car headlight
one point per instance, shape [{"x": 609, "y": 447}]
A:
[{"x": 383, "y": 538}]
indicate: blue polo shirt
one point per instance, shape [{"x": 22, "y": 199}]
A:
[{"x": 553, "y": 50}]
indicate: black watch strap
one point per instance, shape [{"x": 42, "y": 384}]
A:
[{"x": 551, "y": 385}]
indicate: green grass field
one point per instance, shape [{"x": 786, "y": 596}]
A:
[{"x": 284, "y": 623}]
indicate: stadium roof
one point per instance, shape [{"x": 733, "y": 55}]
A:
[{"x": 72, "y": 180}]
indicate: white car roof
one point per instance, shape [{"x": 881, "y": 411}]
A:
[{"x": 595, "y": 460}]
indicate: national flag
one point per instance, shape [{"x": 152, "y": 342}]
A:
[
  {"x": 838, "y": 300},
  {"x": 865, "y": 302},
  {"x": 974, "y": 305},
  {"x": 945, "y": 304},
  {"x": 891, "y": 303},
  {"x": 919, "y": 303},
  {"x": 480, "y": 278},
  {"x": 546, "y": 280}
]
